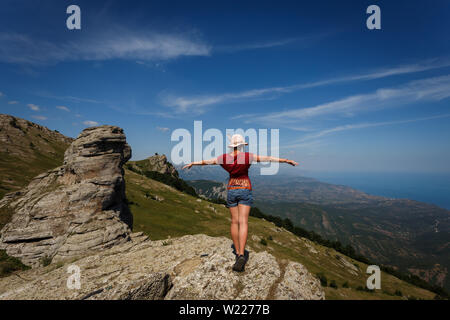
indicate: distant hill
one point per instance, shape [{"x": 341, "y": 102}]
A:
[
  {"x": 212, "y": 173},
  {"x": 158, "y": 168},
  {"x": 209, "y": 189},
  {"x": 283, "y": 187},
  {"x": 157, "y": 163},
  {"x": 27, "y": 149},
  {"x": 404, "y": 234}
]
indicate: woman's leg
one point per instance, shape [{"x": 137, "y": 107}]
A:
[
  {"x": 235, "y": 227},
  {"x": 244, "y": 211}
]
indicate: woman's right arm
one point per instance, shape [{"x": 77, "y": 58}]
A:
[
  {"x": 274, "y": 159},
  {"x": 201, "y": 163}
]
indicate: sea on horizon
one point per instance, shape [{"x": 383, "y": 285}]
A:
[{"x": 433, "y": 188}]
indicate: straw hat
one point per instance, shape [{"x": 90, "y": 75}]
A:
[{"x": 236, "y": 140}]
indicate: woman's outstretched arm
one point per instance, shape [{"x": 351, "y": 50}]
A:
[
  {"x": 201, "y": 163},
  {"x": 274, "y": 159}
]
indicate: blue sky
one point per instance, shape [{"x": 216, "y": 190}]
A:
[{"x": 345, "y": 98}]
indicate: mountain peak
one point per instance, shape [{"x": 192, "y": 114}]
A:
[{"x": 157, "y": 162}]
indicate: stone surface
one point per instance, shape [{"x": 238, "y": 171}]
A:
[
  {"x": 76, "y": 208},
  {"x": 190, "y": 267},
  {"x": 292, "y": 286}
]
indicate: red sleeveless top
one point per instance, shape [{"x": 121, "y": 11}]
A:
[{"x": 237, "y": 166}]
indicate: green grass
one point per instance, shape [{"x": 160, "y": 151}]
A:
[
  {"x": 10, "y": 264},
  {"x": 180, "y": 214},
  {"x": 6, "y": 212},
  {"x": 28, "y": 156}
]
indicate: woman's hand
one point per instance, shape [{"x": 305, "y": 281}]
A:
[
  {"x": 292, "y": 163},
  {"x": 188, "y": 166}
]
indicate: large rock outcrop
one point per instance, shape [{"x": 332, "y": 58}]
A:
[
  {"x": 190, "y": 267},
  {"x": 157, "y": 163},
  {"x": 75, "y": 209}
]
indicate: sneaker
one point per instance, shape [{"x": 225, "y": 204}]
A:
[
  {"x": 234, "y": 249},
  {"x": 240, "y": 264},
  {"x": 246, "y": 255}
]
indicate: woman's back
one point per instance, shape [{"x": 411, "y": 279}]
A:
[{"x": 237, "y": 166}]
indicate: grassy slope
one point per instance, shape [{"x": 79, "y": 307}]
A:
[
  {"x": 30, "y": 150},
  {"x": 27, "y": 150},
  {"x": 180, "y": 214}
]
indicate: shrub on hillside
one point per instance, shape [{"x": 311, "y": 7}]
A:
[
  {"x": 10, "y": 264},
  {"x": 323, "y": 279},
  {"x": 333, "y": 284},
  {"x": 398, "y": 293}
]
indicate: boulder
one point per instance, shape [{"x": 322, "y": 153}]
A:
[{"x": 75, "y": 209}]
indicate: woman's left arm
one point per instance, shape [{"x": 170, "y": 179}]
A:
[
  {"x": 274, "y": 159},
  {"x": 201, "y": 163}
]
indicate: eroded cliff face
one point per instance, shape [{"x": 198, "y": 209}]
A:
[
  {"x": 189, "y": 267},
  {"x": 74, "y": 209}
]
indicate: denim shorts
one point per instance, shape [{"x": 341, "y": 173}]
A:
[{"x": 239, "y": 196}]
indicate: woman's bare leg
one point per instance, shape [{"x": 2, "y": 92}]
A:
[
  {"x": 235, "y": 227},
  {"x": 244, "y": 211}
]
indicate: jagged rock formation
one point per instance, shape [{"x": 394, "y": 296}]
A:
[
  {"x": 156, "y": 163},
  {"x": 74, "y": 209},
  {"x": 190, "y": 267}
]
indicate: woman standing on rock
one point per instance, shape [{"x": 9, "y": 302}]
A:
[{"x": 239, "y": 195}]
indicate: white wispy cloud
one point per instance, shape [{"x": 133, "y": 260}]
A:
[
  {"x": 33, "y": 107},
  {"x": 116, "y": 44},
  {"x": 199, "y": 103},
  {"x": 312, "y": 138},
  {"x": 254, "y": 45},
  {"x": 303, "y": 41},
  {"x": 13, "y": 102},
  {"x": 69, "y": 98},
  {"x": 64, "y": 108},
  {"x": 1, "y": 93},
  {"x": 39, "y": 117},
  {"x": 436, "y": 88},
  {"x": 163, "y": 129},
  {"x": 90, "y": 123}
]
